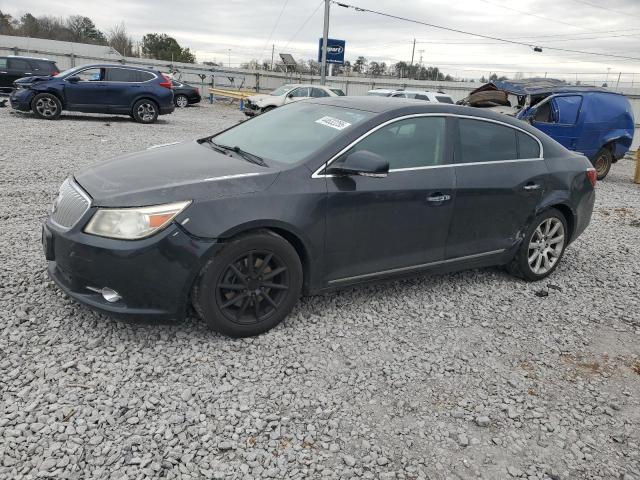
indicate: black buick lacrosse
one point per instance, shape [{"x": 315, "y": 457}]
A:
[{"x": 313, "y": 196}]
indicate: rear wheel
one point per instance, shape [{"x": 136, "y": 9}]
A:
[
  {"x": 602, "y": 162},
  {"x": 47, "y": 106},
  {"x": 542, "y": 248},
  {"x": 250, "y": 286},
  {"x": 145, "y": 111},
  {"x": 181, "y": 101}
]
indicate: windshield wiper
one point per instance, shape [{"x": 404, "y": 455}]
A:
[{"x": 250, "y": 157}]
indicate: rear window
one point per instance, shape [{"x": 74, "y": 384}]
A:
[
  {"x": 443, "y": 99},
  {"x": 43, "y": 66},
  {"x": 126, "y": 75},
  {"x": 19, "y": 64}
]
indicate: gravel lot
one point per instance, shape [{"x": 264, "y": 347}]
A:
[{"x": 465, "y": 376}]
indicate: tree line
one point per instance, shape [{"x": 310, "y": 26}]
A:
[{"x": 81, "y": 29}]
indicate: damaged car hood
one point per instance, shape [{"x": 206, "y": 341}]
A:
[{"x": 170, "y": 173}]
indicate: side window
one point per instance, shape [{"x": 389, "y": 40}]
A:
[
  {"x": 485, "y": 142},
  {"x": 399, "y": 95},
  {"x": 318, "y": 92},
  {"x": 91, "y": 75},
  {"x": 3, "y": 62},
  {"x": 543, "y": 113},
  {"x": 300, "y": 92},
  {"x": 443, "y": 99},
  {"x": 527, "y": 146},
  {"x": 121, "y": 75},
  {"x": 415, "y": 142},
  {"x": 19, "y": 64},
  {"x": 43, "y": 66},
  {"x": 419, "y": 96},
  {"x": 567, "y": 109}
]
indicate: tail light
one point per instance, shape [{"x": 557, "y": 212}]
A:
[
  {"x": 593, "y": 176},
  {"x": 55, "y": 72},
  {"x": 167, "y": 82}
]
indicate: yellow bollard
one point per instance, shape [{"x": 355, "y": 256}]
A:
[{"x": 636, "y": 179}]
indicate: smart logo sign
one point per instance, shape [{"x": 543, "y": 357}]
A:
[{"x": 335, "y": 51}]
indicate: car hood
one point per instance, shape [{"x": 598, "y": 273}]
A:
[
  {"x": 33, "y": 79},
  {"x": 170, "y": 173},
  {"x": 261, "y": 97}
]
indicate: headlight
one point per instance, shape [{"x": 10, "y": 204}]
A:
[{"x": 133, "y": 223}]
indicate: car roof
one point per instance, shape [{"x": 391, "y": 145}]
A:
[
  {"x": 27, "y": 58},
  {"x": 430, "y": 92},
  {"x": 112, "y": 65}
]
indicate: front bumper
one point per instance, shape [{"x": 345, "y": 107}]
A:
[
  {"x": 251, "y": 110},
  {"x": 154, "y": 276},
  {"x": 20, "y": 99}
]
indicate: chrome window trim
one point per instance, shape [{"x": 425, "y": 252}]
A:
[
  {"x": 417, "y": 267},
  {"x": 325, "y": 165},
  {"x": 120, "y": 67}
]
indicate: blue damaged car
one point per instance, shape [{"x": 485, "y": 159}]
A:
[{"x": 593, "y": 121}]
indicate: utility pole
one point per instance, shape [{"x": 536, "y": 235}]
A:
[
  {"x": 273, "y": 49},
  {"x": 325, "y": 41},
  {"x": 413, "y": 51}
]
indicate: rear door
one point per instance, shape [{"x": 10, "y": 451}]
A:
[
  {"x": 500, "y": 176},
  {"x": 377, "y": 225},
  {"x": 124, "y": 85}
]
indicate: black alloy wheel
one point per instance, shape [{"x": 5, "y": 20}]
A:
[{"x": 250, "y": 286}]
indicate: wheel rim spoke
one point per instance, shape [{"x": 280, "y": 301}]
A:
[
  {"x": 546, "y": 245},
  {"x": 252, "y": 287}
]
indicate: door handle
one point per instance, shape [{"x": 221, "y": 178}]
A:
[
  {"x": 531, "y": 186},
  {"x": 438, "y": 198}
]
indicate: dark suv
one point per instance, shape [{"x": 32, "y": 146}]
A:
[
  {"x": 13, "y": 68},
  {"x": 138, "y": 92}
]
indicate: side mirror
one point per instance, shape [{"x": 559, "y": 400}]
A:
[
  {"x": 363, "y": 163},
  {"x": 290, "y": 95},
  {"x": 73, "y": 79}
]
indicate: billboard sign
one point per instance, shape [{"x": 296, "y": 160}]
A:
[{"x": 335, "y": 51}]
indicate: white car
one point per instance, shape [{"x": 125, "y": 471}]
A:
[
  {"x": 257, "y": 104},
  {"x": 426, "y": 95}
]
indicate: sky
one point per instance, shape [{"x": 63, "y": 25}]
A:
[{"x": 236, "y": 31}]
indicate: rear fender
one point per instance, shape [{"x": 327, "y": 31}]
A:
[{"x": 620, "y": 142}]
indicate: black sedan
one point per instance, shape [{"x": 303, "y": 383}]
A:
[
  {"x": 314, "y": 196},
  {"x": 184, "y": 94}
]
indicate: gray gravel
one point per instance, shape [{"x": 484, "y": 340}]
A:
[{"x": 461, "y": 376}]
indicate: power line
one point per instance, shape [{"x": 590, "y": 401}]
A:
[
  {"x": 304, "y": 24},
  {"x": 479, "y": 35},
  {"x": 548, "y": 19},
  {"x": 284, "y": 5},
  {"x": 583, "y": 2}
]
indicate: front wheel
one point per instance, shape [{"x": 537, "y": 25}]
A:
[
  {"x": 542, "y": 248},
  {"x": 145, "y": 111},
  {"x": 47, "y": 106},
  {"x": 250, "y": 286},
  {"x": 267, "y": 109},
  {"x": 602, "y": 162}
]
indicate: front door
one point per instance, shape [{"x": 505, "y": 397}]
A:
[
  {"x": 557, "y": 116},
  {"x": 300, "y": 93},
  {"x": 500, "y": 180},
  {"x": 88, "y": 92},
  {"x": 377, "y": 225}
]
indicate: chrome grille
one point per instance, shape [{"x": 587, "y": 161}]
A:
[{"x": 70, "y": 206}]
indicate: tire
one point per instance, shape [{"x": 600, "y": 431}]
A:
[
  {"x": 181, "y": 101},
  {"x": 145, "y": 111},
  {"x": 265, "y": 294},
  {"x": 46, "y": 106},
  {"x": 547, "y": 243},
  {"x": 602, "y": 162}
]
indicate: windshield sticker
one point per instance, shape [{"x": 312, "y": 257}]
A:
[{"x": 333, "y": 123}]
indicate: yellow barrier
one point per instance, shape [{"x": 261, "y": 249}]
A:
[{"x": 235, "y": 94}]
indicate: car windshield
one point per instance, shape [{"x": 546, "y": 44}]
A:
[
  {"x": 338, "y": 92},
  {"x": 293, "y": 132},
  {"x": 281, "y": 91}
]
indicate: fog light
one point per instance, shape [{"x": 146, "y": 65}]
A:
[{"x": 107, "y": 293}]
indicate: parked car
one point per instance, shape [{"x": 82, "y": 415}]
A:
[
  {"x": 593, "y": 121},
  {"x": 140, "y": 93},
  {"x": 14, "y": 67},
  {"x": 313, "y": 196},
  {"x": 426, "y": 95},
  {"x": 184, "y": 94},
  {"x": 257, "y": 104}
]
